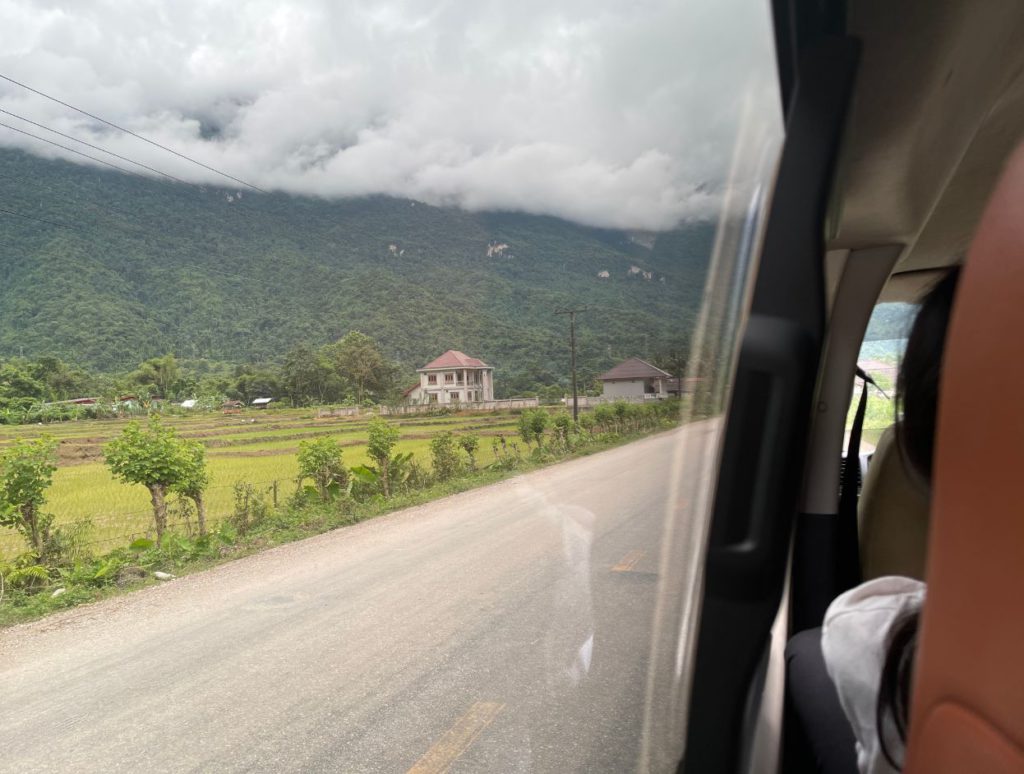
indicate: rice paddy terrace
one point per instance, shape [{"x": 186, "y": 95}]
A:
[{"x": 258, "y": 447}]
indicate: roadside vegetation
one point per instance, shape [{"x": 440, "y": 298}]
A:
[{"x": 57, "y": 565}]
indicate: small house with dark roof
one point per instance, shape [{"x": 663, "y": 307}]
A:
[
  {"x": 454, "y": 377},
  {"x": 635, "y": 378}
]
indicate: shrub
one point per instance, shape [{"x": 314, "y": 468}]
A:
[
  {"x": 563, "y": 427},
  {"x": 444, "y": 456},
  {"x": 539, "y": 420},
  {"x": 470, "y": 443},
  {"x": 532, "y": 424},
  {"x": 506, "y": 456},
  {"x": 525, "y": 427},
  {"x": 250, "y": 507},
  {"x": 26, "y": 471},
  {"x": 320, "y": 460},
  {"x": 604, "y": 417},
  {"x": 383, "y": 437},
  {"x": 587, "y": 422}
]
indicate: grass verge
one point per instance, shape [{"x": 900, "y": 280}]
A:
[{"x": 29, "y": 594}]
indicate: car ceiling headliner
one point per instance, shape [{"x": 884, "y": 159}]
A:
[{"x": 938, "y": 107}]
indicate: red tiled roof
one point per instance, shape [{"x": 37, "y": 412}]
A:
[
  {"x": 455, "y": 359},
  {"x": 634, "y": 368}
]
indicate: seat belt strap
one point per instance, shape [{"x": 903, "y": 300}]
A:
[{"x": 849, "y": 492}]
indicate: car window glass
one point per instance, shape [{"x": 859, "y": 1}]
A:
[
  {"x": 884, "y": 343},
  {"x": 441, "y": 232}
]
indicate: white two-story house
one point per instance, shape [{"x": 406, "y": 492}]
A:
[{"x": 454, "y": 377}]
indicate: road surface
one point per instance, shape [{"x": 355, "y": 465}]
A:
[{"x": 504, "y": 629}]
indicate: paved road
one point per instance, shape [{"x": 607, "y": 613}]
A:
[{"x": 505, "y": 629}]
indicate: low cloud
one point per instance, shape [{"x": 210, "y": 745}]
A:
[{"x": 603, "y": 112}]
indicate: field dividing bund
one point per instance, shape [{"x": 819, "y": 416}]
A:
[{"x": 257, "y": 447}]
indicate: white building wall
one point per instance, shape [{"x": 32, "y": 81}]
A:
[
  {"x": 624, "y": 388},
  {"x": 445, "y": 391}
]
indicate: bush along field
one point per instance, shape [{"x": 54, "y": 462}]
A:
[{"x": 87, "y": 512}]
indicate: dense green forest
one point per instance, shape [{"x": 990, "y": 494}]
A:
[{"x": 104, "y": 270}]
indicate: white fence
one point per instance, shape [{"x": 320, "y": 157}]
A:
[
  {"x": 340, "y": 411},
  {"x": 589, "y": 401}
]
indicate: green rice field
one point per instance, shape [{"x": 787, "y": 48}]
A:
[{"x": 258, "y": 447}]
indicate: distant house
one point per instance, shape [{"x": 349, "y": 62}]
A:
[
  {"x": 189, "y": 404},
  {"x": 261, "y": 403},
  {"x": 454, "y": 377},
  {"x": 74, "y": 402},
  {"x": 635, "y": 378}
]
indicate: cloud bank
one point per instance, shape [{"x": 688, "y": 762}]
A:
[{"x": 608, "y": 113}]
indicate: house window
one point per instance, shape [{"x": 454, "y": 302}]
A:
[
  {"x": 431, "y": 378},
  {"x": 456, "y": 396},
  {"x": 449, "y": 378}
]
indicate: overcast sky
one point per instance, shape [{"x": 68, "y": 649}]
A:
[{"x": 607, "y": 112}]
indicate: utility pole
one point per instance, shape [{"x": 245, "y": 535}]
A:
[{"x": 572, "y": 349}]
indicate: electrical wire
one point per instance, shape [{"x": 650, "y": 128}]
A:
[
  {"x": 130, "y": 132},
  {"x": 41, "y": 220},
  {"x": 244, "y": 212},
  {"x": 90, "y": 145},
  {"x": 70, "y": 150}
]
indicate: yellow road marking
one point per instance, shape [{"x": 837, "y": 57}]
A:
[
  {"x": 629, "y": 561},
  {"x": 457, "y": 739}
]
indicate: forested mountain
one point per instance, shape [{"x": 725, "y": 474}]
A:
[{"x": 104, "y": 270}]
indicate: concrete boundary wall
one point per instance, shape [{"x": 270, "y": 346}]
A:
[{"x": 489, "y": 405}]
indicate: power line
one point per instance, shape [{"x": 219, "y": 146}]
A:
[
  {"x": 243, "y": 212},
  {"x": 70, "y": 150},
  {"x": 201, "y": 270},
  {"x": 90, "y": 145},
  {"x": 4, "y": 175},
  {"x": 130, "y": 132},
  {"x": 41, "y": 220}
]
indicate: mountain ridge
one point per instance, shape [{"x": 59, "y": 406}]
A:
[{"x": 105, "y": 270}]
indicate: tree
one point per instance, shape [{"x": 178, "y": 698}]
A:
[
  {"x": 61, "y": 380},
  {"x": 17, "y": 381},
  {"x": 444, "y": 456},
  {"x": 469, "y": 444},
  {"x": 306, "y": 375},
  {"x": 532, "y": 424},
  {"x": 195, "y": 478},
  {"x": 252, "y": 382},
  {"x": 163, "y": 373},
  {"x": 321, "y": 461},
  {"x": 383, "y": 437},
  {"x": 153, "y": 457},
  {"x": 360, "y": 362},
  {"x": 525, "y": 427},
  {"x": 26, "y": 471}
]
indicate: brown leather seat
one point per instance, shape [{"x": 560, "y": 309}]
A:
[{"x": 967, "y": 715}]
